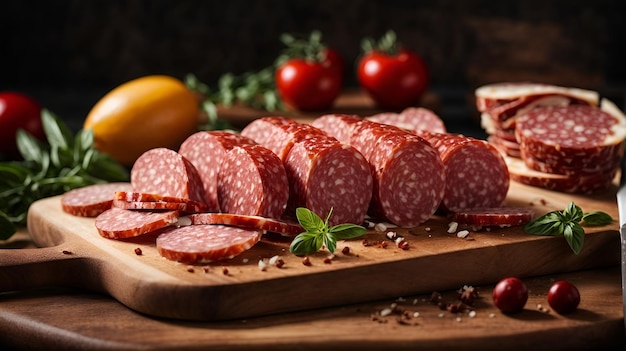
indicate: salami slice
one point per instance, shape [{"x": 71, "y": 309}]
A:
[
  {"x": 414, "y": 119},
  {"x": 145, "y": 197},
  {"x": 475, "y": 172},
  {"x": 91, "y": 200},
  {"x": 505, "y": 146},
  {"x": 493, "y": 217},
  {"x": 197, "y": 244},
  {"x": 166, "y": 172},
  {"x": 184, "y": 207},
  {"x": 206, "y": 150},
  {"x": 117, "y": 223},
  {"x": 559, "y": 182},
  {"x": 325, "y": 174},
  {"x": 283, "y": 227},
  {"x": 575, "y": 136},
  {"x": 279, "y": 133},
  {"x": 252, "y": 181},
  {"x": 339, "y": 126}
]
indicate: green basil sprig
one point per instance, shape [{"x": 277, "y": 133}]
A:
[
  {"x": 64, "y": 162},
  {"x": 568, "y": 223},
  {"x": 318, "y": 233}
]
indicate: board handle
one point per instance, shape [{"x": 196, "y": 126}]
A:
[{"x": 22, "y": 269}]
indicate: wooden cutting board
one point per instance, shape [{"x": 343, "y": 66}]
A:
[{"x": 73, "y": 254}]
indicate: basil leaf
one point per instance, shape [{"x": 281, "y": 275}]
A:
[
  {"x": 575, "y": 236},
  {"x": 347, "y": 231},
  {"x": 330, "y": 242},
  {"x": 7, "y": 228},
  {"x": 310, "y": 221},
  {"x": 597, "y": 218},
  {"x": 573, "y": 213},
  {"x": 548, "y": 224},
  {"x": 305, "y": 243}
]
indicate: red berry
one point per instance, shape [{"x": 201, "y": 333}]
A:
[
  {"x": 563, "y": 297},
  {"x": 510, "y": 295}
]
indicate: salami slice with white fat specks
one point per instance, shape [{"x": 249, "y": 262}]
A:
[
  {"x": 283, "y": 227},
  {"x": 279, "y": 133},
  {"x": 339, "y": 126},
  {"x": 166, "y": 172},
  {"x": 326, "y": 174},
  {"x": 493, "y": 217},
  {"x": 572, "y": 136},
  {"x": 117, "y": 223},
  {"x": 414, "y": 119},
  {"x": 206, "y": 150},
  {"x": 91, "y": 200},
  {"x": 587, "y": 184},
  {"x": 252, "y": 181},
  {"x": 184, "y": 207},
  {"x": 196, "y": 244},
  {"x": 476, "y": 173}
]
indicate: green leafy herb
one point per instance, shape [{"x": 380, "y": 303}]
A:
[
  {"x": 568, "y": 223},
  {"x": 317, "y": 233},
  {"x": 50, "y": 168}
]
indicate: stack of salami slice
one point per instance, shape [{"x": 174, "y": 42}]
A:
[{"x": 558, "y": 138}]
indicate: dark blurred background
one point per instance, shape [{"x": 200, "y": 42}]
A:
[{"x": 69, "y": 53}]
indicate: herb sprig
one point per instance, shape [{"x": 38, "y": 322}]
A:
[
  {"x": 64, "y": 162},
  {"x": 318, "y": 233},
  {"x": 568, "y": 223}
]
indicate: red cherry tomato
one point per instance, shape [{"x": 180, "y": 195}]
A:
[
  {"x": 510, "y": 295},
  {"x": 393, "y": 82},
  {"x": 18, "y": 111},
  {"x": 563, "y": 297},
  {"x": 308, "y": 85}
]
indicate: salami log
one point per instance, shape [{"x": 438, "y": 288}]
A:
[
  {"x": 92, "y": 200},
  {"x": 206, "y": 150},
  {"x": 475, "y": 171},
  {"x": 493, "y": 217},
  {"x": 409, "y": 177},
  {"x": 283, "y": 227},
  {"x": 414, "y": 119},
  {"x": 166, "y": 172},
  {"x": 197, "y": 244},
  {"x": 117, "y": 223},
  {"x": 252, "y": 181},
  {"x": 279, "y": 133},
  {"x": 326, "y": 174}
]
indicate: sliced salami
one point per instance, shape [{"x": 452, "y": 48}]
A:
[
  {"x": 283, "y": 227},
  {"x": 206, "y": 150},
  {"x": 197, "y": 244},
  {"x": 325, "y": 174},
  {"x": 91, "y": 200},
  {"x": 279, "y": 133},
  {"x": 475, "y": 172},
  {"x": 146, "y": 197},
  {"x": 559, "y": 182},
  {"x": 576, "y": 136},
  {"x": 252, "y": 181},
  {"x": 339, "y": 126},
  {"x": 184, "y": 207},
  {"x": 117, "y": 223},
  {"x": 493, "y": 217},
  {"x": 166, "y": 172},
  {"x": 414, "y": 119}
]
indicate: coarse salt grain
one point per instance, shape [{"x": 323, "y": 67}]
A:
[
  {"x": 262, "y": 265},
  {"x": 462, "y": 234},
  {"x": 380, "y": 227},
  {"x": 472, "y": 314},
  {"x": 416, "y": 314},
  {"x": 452, "y": 227},
  {"x": 385, "y": 312},
  {"x": 274, "y": 259}
]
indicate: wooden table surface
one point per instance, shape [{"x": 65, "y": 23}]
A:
[{"x": 64, "y": 318}]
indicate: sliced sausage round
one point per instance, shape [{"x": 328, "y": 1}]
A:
[
  {"x": 91, "y": 200},
  {"x": 117, "y": 223},
  {"x": 283, "y": 227}
]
